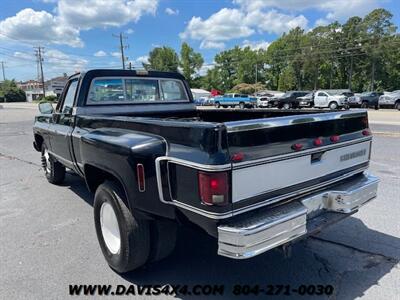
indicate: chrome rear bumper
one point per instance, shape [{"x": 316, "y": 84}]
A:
[{"x": 268, "y": 228}]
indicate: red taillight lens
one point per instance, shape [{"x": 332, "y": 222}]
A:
[
  {"x": 335, "y": 138},
  {"x": 237, "y": 157},
  {"x": 318, "y": 142},
  {"x": 366, "y": 132},
  {"x": 297, "y": 147},
  {"x": 213, "y": 188}
]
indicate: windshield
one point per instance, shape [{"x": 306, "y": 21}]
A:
[{"x": 287, "y": 94}]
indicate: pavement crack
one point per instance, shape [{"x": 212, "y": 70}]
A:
[
  {"x": 387, "y": 258},
  {"x": 10, "y": 157}
]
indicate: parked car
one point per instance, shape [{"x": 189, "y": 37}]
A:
[
  {"x": 365, "y": 100},
  {"x": 289, "y": 99},
  {"x": 264, "y": 101},
  {"x": 154, "y": 161},
  {"x": 391, "y": 100},
  {"x": 307, "y": 100},
  {"x": 330, "y": 99},
  {"x": 232, "y": 100}
]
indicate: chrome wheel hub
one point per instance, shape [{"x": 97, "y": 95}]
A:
[{"x": 110, "y": 228}]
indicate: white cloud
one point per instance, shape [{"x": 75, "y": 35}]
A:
[
  {"x": 129, "y": 31},
  {"x": 212, "y": 45},
  {"x": 60, "y": 62},
  {"x": 203, "y": 70},
  {"x": 224, "y": 25},
  {"x": 256, "y": 45},
  {"x": 86, "y": 14},
  {"x": 321, "y": 22},
  {"x": 39, "y": 26},
  {"x": 335, "y": 9},
  {"x": 23, "y": 55},
  {"x": 63, "y": 26},
  {"x": 142, "y": 59},
  {"x": 171, "y": 12},
  {"x": 228, "y": 24},
  {"x": 274, "y": 22},
  {"x": 115, "y": 54},
  {"x": 100, "y": 53}
]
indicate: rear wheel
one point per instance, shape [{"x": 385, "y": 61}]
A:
[
  {"x": 241, "y": 105},
  {"x": 333, "y": 105},
  {"x": 163, "y": 239},
  {"x": 124, "y": 239},
  {"x": 54, "y": 171},
  {"x": 286, "y": 106},
  {"x": 397, "y": 105},
  {"x": 217, "y": 105},
  {"x": 364, "y": 104}
]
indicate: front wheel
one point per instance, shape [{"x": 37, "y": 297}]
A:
[
  {"x": 333, "y": 105},
  {"x": 364, "y": 105},
  {"x": 124, "y": 239},
  {"x": 54, "y": 171},
  {"x": 286, "y": 106},
  {"x": 241, "y": 105},
  {"x": 217, "y": 105},
  {"x": 397, "y": 105}
]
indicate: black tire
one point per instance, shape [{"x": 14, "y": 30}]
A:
[
  {"x": 217, "y": 105},
  {"x": 241, "y": 105},
  {"x": 376, "y": 107},
  {"x": 333, "y": 105},
  {"x": 286, "y": 106},
  {"x": 54, "y": 171},
  {"x": 163, "y": 239},
  {"x": 364, "y": 104},
  {"x": 134, "y": 233},
  {"x": 397, "y": 105}
]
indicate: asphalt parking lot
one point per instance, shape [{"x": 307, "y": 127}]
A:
[{"x": 48, "y": 239}]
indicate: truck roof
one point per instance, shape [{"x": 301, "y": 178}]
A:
[{"x": 118, "y": 72}]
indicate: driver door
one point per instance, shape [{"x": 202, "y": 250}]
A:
[
  {"x": 61, "y": 124},
  {"x": 321, "y": 99}
]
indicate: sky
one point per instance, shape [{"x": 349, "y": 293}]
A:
[{"x": 78, "y": 35}]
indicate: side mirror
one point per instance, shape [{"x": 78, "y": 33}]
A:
[{"x": 46, "y": 108}]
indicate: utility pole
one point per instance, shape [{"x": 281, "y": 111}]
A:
[
  {"x": 2, "y": 67},
  {"x": 351, "y": 72},
  {"x": 121, "y": 47},
  {"x": 256, "y": 73},
  {"x": 39, "y": 55}
]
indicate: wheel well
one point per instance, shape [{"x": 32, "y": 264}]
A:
[
  {"x": 95, "y": 176},
  {"x": 38, "y": 141},
  {"x": 332, "y": 102}
]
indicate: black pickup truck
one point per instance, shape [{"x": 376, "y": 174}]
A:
[{"x": 253, "y": 179}]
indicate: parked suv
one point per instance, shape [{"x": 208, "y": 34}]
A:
[
  {"x": 391, "y": 100},
  {"x": 365, "y": 100},
  {"x": 289, "y": 99}
]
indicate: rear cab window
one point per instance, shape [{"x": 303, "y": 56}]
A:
[{"x": 135, "y": 90}]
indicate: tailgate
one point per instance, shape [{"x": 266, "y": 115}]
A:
[{"x": 288, "y": 156}]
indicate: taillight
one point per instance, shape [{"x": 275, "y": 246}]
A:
[
  {"x": 214, "y": 188},
  {"x": 318, "y": 142},
  {"x": 366, "y": 132},
  {"x": 297, "y": 147},
  {"x": 335, "y": 138}
]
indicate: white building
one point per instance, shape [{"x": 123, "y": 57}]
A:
[{"x": 36, "y": 94}]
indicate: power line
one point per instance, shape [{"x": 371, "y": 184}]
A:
[{"x": 121, "y": 47}]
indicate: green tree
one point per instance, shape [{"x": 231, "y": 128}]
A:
[
  {"x": 190, "y": 62},
  {"x": 162, "y": 59},
  {"x": 10, "y": 92}
]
